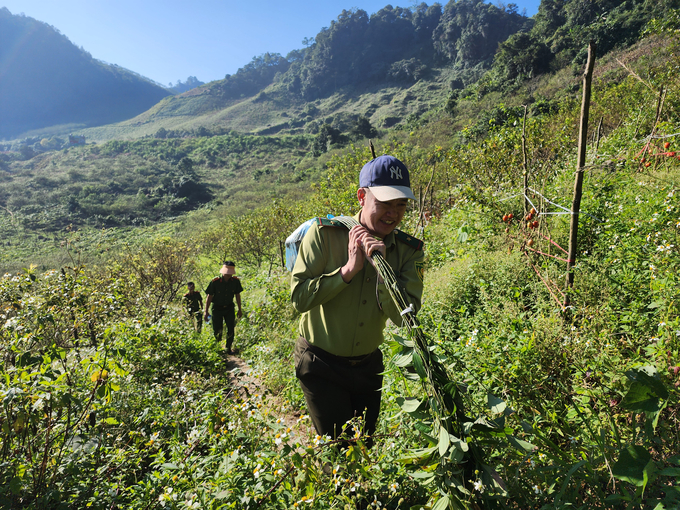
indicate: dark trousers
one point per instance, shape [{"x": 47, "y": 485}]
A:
[
  {"x": 338, "y": 389},
  {"x": 220, "y": 318}
]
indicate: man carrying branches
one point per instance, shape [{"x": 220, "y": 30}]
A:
[{"x": 345, "y": 306}]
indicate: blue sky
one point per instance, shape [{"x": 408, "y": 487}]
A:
[{"x": 170, "y": 40}]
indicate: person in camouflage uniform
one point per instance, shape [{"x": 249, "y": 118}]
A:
[
  {"x": 193, "y": 301},
  {"x": 221, "y": 292}
]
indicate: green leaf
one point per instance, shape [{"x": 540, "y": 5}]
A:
[
  {"x": 459, "y": 444},
  {"x": 671, "y": 471},
  {"x": 444, "y": 440},
  {"x": 521, "y": 445},
  {"x": 15, "y": 485},
  {"x": 409, "y": 404},
  {"x": 567, "y": 478},
  {"x": 481, "y": 424},
  {"x": 614, "y": 498},
  {"x": 403, "y": 341},
  {"x": 111, "y": 421},
  {"x": 648, "y": 376},
  {"x": 632, "y": 465},
  {"x": 170, "y": 465},
  {"x": 496, "y": 404},
  {"x": 463, "y": 234},
  {"x": 640, "y": 398},
  {"x": 417, "y": 455},
  {"x": 422, "y": 475},
  {"x": 419, "y": 365},
  {"x": 441, "y": 503},
  {"x": 403, "y": 359}
]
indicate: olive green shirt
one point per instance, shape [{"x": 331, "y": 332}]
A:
[{"x": 345, "y": 318}]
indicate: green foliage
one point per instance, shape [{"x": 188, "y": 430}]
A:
[
  {"x": 470, "y": 30},
  {"x": 255, "y": 238},
  {"x": 521, "y": 56},
  {"x": 563, "y": 29},
  {"x": 251, "y": 78},
  {"x": 158, "y": 270}
]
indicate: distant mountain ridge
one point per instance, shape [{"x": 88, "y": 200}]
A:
[
  {"x": 386, "y": 67},
  {"x": 45, "y": 80}
]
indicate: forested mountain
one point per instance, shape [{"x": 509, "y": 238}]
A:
[
  {"x": 48, "y": 81},
  {"x": 464, "y": 43},
  {"x": 394, "y": 46},
  {"x": 563, "y": 28}
]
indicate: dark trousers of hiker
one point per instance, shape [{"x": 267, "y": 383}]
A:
[
  {"x": 224, "y": 316},
  {"x": 338, "y": 389}
]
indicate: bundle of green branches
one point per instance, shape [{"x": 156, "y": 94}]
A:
[{"x": 444, "y": 398}]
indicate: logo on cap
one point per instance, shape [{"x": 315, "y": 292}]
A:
[{"x": 395, "y": 173}]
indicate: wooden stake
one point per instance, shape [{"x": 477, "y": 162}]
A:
[
  {"x": 370, "y": 144},
  {"x": 524, "y": 161},
  {"x": 580, "y": 167}
]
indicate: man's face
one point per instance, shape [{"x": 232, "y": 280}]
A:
[
  {"x": 380, "y": 218},
  {"x": 226, "y": 277}
]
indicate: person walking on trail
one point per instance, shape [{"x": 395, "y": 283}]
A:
[
  {"x": 221, "y": 292},
  {"x": 345, "y": 306},
  {"x": 193, "y": 301}
]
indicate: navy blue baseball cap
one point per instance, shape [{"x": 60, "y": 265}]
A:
[{"x": 387, "y": 178}]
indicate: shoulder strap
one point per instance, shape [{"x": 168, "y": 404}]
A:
[
  {"x": 217, "y": 278},
  {"x": 326, "y": 222},
  {"x": 413, "y": 242}
]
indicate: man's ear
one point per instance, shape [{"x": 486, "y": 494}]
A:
[{"x": 361, "y": 196}]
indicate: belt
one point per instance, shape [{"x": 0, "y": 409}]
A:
[
  {"x": 223, "y": 307},
  {"x": 352, "y": 361}
]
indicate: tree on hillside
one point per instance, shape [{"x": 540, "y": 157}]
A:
[
  {"x": 191, "y": 83},
  {"x": 325, "y": 139},
  {"x": 566, "y": 26},
  {"x": 425, "y": 20},
  {"x": 254, "y": 76},
  {"x": 522, "y": 55},
  {"x": 470, "y": 30},
  {"x": 159, "y": 268}
]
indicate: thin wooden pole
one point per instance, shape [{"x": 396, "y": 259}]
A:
[
  {"x": 524, "y": 161},
  {"x": 580, "y": 167},
  {"x": 372, "y": 147}
]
